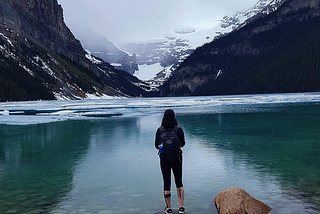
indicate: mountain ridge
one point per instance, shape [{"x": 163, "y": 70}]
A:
[
  {"x": 171, "y": 50},
  {"x": 250, "y": 59},
  {"x": 101, "y": 47},
  {"x": 35, "y": 42}
]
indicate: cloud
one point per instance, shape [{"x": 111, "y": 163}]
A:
[{"x": 127, "y": 20}]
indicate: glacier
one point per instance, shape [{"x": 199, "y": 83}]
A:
[{"x": 157, "y": 58}]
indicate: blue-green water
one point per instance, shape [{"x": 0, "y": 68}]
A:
[{"x": 110, "y": 165}]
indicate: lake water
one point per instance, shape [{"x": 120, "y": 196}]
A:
[{"x": 56, "y": 159}]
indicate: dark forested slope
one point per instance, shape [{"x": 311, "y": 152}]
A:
[
  {"x": 279, "y": 52},
  {"x": 41, "y": 59}
]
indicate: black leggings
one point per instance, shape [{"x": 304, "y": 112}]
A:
[{"x": 176, "y": 167}]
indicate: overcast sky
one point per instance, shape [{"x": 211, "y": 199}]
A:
[{"x": 127, "y": 20}]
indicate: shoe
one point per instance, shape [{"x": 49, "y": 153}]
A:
[
  {"x": 167, "y": 210},
  {"x": 181, "y": 210}
]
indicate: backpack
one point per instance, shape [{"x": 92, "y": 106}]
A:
[{"x": 170, "y": 142}]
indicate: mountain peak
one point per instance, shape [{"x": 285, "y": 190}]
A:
[
  {"x": 273, "y": 52},
  {"x": 41, "y": 59}
]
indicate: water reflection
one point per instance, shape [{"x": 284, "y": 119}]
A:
[
  {"x": 120, "y": 173},
  {"x": 111, "y": 165},
  {"x": 283, "y": 144},
  {"x": 38, "y": 163}
]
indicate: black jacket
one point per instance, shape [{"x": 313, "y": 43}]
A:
[{"x": 180, "y": 135}]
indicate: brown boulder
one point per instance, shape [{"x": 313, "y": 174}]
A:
[{"x": 238, "y": 201}]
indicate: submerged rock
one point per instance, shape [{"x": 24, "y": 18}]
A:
[{"x": 238, "y": 201}]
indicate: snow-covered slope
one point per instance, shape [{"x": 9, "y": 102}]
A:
[
  {"x": 101, "y": 47},
  {"x": 167, "y": 52},
  {"x": 37, "y": 74},
  {"x": 41, "y": 59}
]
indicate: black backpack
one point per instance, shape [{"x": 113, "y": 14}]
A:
[{"x": 171, "y": 144}]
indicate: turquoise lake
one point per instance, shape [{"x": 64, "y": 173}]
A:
[{"x": 109, "y": 164}]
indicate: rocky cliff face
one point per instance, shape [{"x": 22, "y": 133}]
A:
[
  {"x": 38, "y": 52},
  {"x": 42, "y": 21},
  {"x": 9, "y": 17},
  {"x": 255, "y": 58}
]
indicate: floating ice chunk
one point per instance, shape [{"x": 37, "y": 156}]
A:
[
  {"x": 29, "y": 120},
  {"x": 33, "y": 112},
  {"x": 63, "y": 113},
  {"x": 5, "y": 112}
]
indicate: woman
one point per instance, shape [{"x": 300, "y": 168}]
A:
[{"x": 169, "y": 140}]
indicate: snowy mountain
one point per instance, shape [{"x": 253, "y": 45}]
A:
[
  {"x": 276, "y": 52},
  {"x": 41, "y": 59},
  {"x": 101, "y": 47},
  {"x": 157, "y": 59},
  {"x": 240, "y": 19}
]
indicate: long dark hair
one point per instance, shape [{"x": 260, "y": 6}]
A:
[{"x": 169, "y": 119}]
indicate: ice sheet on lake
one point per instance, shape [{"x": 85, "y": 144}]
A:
[{"x": 34, "y": 112}]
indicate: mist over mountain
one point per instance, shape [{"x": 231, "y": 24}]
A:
[
  {"x": 160, "y": 35},
  {"x": 140, "y": 20},
  {"x": 101, "y": 47},
  {"x": 160, "y": 57},
  {"x": 155, "y": 56}
]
